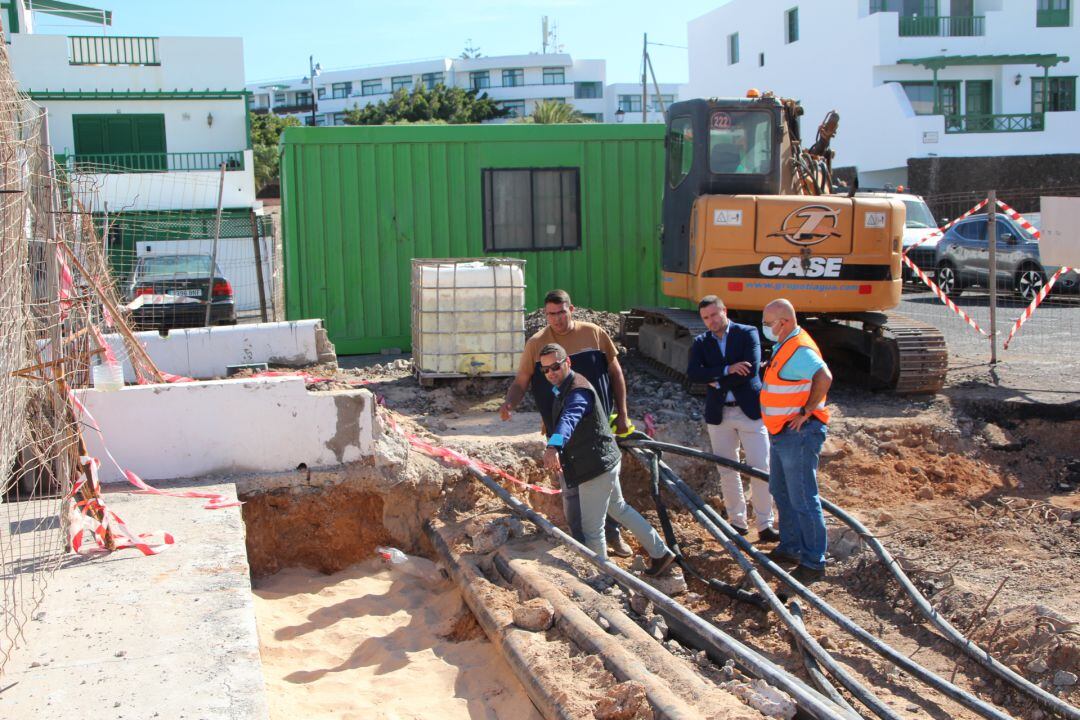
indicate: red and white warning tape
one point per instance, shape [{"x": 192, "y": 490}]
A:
[
  {"x": 84, "y": 523},
  {"x": 1020, "y": 219},
  {"x": 942, "y": 296},
  {"x": 459, "y": 458},
  {"x": 944, "y": 228},
  {"x": 1034, "y": 304}
]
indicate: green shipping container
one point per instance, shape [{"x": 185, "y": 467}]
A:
[{"x": 580, "y": 203}]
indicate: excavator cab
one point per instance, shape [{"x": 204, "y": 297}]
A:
[{"x": 720, "y": 147}]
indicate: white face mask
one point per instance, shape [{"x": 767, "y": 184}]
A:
[{"x": 766, "y": 330}]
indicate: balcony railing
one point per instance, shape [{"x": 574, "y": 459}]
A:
[
  {"x": 286, "y": 109},
  {"x": 112, "y": 50},
  {"x": 109, "y": 163},
  {"x": 1052, "y": 18},
  {"x": 1022, "y": 122},
  {"x": 930, "y": 26}
]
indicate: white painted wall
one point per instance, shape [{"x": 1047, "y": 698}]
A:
[
  {"x": 167, "y": 190},
  {"x": 843, "y": 58},
  {"x": 40, "y": 62},
  {"x": 204, "y": 353},
  {"x": 224, "y": 427},
  {"x": 186, "y": 127}
]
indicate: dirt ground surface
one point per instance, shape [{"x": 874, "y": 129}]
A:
[{"x": 973, "y": 491}]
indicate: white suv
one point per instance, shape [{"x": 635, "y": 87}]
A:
[{"x": 920, "y": 224}]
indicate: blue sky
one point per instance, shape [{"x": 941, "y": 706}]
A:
[{"x": 279, "y": 36}]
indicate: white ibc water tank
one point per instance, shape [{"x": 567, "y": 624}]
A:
[{"x": 468, "y": 315}]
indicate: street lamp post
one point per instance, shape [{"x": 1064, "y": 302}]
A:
[{"x": 315, "y": 70}]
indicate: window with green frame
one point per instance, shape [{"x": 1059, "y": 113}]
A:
[
  {"x": 1053, "y": 13},
  {"x": 341, "y": 90},
  {"x": 401, "y": 82},
  {"x": 303, "y": 98},
  {"x": 554, "y": 76},
  {"x": 1053, "y": 94},
  {"x": 791, "y": 25},
  {"x": 370, "y": 87},
  {"x": 134, "y": 142},
  {"x": 587, "y": 90},
  {"x": 480, "y": 79},
  {"x": 430, "y": 80},
  {"x": 513, "y": 77},
  {"x": 630, "y": 103},
  {"x": 733, "y": 48},
  {"x": 921, "y": 95}
]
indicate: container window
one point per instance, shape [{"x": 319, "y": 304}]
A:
[{"x": 532, "y": 209}]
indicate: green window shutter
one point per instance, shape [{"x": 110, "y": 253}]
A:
[
  {"x": 89, "y": 134},
  {"x": 136, "y": 142}
]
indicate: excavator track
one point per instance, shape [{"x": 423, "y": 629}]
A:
[{"x": 885, "y": 351}]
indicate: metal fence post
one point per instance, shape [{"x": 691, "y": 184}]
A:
[
  {"x": 214, "y": 248},
  {"x": 257, "y": 241},
  {"x": 992, "y": 279}
]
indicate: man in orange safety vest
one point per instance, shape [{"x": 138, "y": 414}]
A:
[{"x": 793, "y": 394}]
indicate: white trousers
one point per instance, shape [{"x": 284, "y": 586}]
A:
[{"x": 736, "y": 429}]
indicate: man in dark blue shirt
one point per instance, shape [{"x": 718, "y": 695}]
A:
[
  {"x": 582, "y": 447},
  {"x": 727, "y": 357}
]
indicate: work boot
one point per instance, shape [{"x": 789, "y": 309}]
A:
[
  {"x": 660, "y": 564},
  {"x": 768, "y": 535},
  {"x": 780, "y": 557},
  {"x": 617, "y": 546},
  {"x": 741, "y": 530},
  {"x": 808, "y": 575}
]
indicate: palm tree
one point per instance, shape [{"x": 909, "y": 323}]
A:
[{"x": 553, "y": 112}]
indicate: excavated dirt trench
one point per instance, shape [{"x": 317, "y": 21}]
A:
[{"x": 976, "y": 505}]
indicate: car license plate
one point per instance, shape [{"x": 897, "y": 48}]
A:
[{"x": 186, "y": 292}]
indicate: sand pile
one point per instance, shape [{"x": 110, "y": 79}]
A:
[{"x": 369, "y": 643}]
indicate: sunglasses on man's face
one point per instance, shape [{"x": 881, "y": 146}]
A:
[{"x": 551, "y": 368}]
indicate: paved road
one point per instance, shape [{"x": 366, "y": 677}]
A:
[{"x": 1051, "y": 334}]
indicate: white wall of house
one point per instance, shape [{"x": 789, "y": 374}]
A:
[
  {"x": 845, "y": 58},
  {"x": 186, "y": 126},
  {"x": 199, "y": 63},
  {"x": 42, "y": 64},
  {"x": 189, "y": 190}
]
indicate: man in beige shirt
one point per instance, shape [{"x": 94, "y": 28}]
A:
[{"x": 593, "y": 354}]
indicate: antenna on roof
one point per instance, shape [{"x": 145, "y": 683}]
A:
[{"x": 544, "y": 35}]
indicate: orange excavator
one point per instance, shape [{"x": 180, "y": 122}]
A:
[{"x": 750, "y": 215}]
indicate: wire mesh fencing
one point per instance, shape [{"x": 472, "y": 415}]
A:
[
  {"x": 161, "y": 232},
  {"x": 57, "y": 300},
  {"x": 960, "y": 263}
]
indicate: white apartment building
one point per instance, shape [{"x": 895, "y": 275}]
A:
[
  {"x": 910, "y": 78},
  {"x": 516, "y": 82},
  {"x": 144, "y": 124}
]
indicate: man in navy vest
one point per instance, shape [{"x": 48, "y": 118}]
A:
[
  {"x": 582, "y": 448},
  {"x": 727, "y": 357},
  {"x": 594, "y": 356}
]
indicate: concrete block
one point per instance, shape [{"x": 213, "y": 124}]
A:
[
  {"x": 204, "y": 353},
  {"x": 222, "y": 427}
]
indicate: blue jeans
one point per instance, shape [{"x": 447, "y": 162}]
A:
[
  {"x": 793, "y": 483},
  {"x": 587, "y": 505}
]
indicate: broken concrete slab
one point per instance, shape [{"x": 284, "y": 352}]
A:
[{"x": 226, "y": 427}]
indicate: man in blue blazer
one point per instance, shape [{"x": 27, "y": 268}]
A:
[{"x": 727, "y": 357}]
